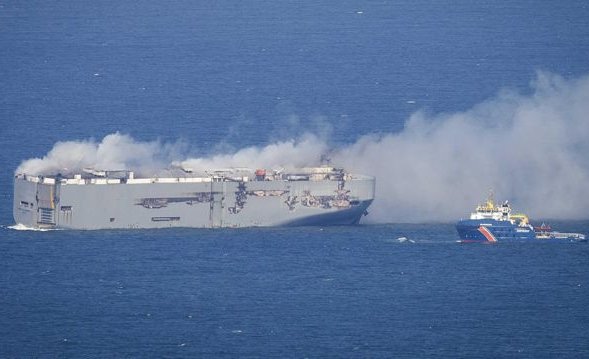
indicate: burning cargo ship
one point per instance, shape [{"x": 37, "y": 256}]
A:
[{"x": 100, "y": 199}]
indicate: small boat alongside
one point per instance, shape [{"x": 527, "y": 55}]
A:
[
  {"x": 545, "y": 232},
  {"x": 491, "y": 223}
]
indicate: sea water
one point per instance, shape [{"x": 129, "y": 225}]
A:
[
  {"x": 295, "y": 292},
  {"x": 224, "y": 75}
]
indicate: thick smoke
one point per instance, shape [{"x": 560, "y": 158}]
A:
[
  {"x": 115, "y": 152},
  {"x": 306, "y": 151},
  {"x": 531, "y": 149}
]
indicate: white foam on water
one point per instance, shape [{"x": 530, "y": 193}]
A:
[{"x": 22, "y": 227}]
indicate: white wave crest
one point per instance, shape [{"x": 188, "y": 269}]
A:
[{"x": 22, "y": 227}]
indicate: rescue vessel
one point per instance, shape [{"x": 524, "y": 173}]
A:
[{"x": 491, "y": 223}]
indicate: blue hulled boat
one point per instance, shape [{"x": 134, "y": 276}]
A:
[{"x": 492, "y": 223}]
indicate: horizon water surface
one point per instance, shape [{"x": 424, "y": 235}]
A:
[{"x": 440, "y": 101}]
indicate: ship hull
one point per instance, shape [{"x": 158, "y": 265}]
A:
[
  {"x": 212, "y": 204},
  {"x": 490, "y": 230}
]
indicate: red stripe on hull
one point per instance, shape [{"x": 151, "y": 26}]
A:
[{"x": 490, "y": 237}]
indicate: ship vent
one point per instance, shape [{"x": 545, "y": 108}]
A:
[
  {"x": 25, "y": 204},
  {"x": 46, "y": 216}
]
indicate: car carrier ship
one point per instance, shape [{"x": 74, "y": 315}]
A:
[
  {"x": 491, "y": 223},
  {"x": 101, "y": 199}
]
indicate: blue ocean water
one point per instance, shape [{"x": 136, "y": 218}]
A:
[
  {"x": 224, "y": 75},
  {"x": 307, "y": 292}
]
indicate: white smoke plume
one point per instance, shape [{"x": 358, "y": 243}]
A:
[
  {"x": 531, "y": 149},
  {"x": 306, "y": 151},
  {"x": 115, "y": 152}
]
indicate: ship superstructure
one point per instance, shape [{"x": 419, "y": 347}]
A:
[{"x": 100, "y": 199}]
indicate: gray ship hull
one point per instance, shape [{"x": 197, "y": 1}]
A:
[{"x": 212, "y": 203}]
